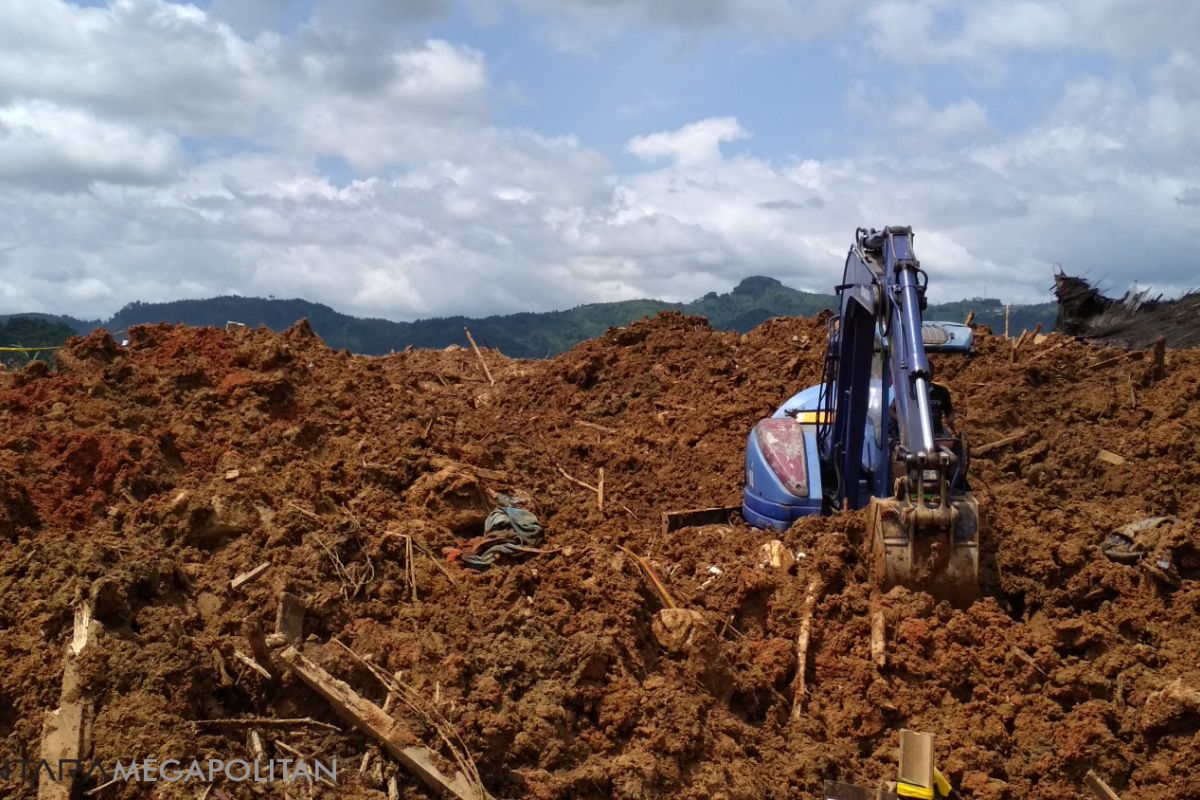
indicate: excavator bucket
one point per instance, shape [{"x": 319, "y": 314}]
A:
[{"x": 913, "y": 547}]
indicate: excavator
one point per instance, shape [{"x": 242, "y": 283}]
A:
[{"x": 865, "y": 437}]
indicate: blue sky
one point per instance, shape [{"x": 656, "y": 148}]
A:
[{"x": 409, "y": 158}]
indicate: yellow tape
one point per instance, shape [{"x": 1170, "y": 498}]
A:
[
  {"x": 943, "y": 786},
  {"x": 912, "y": 790},
  {"x": 27, "y": 349}
]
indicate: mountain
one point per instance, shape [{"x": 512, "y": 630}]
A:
[{"x": 528, "y": 334}]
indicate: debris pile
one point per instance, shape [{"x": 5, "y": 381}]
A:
[
  {"x": 201, "y": 488},
  {"x": 1133, "y": 320}
]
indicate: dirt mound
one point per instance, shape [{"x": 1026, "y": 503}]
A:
[{"x": 149, "y": 476}]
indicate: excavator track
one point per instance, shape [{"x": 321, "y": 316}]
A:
[{"x": 908, "y": 550}]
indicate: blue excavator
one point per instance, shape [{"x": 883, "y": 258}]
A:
[{"x": 868, "y": 435}]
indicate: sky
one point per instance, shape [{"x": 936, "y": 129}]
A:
[{"x": 414, "y": 158}]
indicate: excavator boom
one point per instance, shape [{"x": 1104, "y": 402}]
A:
[{"x": 869, "y": 434}]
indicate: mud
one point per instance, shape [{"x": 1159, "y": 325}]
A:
[{"x": 149, "y": 476}]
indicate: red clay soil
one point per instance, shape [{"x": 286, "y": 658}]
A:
[{"x": 148, "y": 476}]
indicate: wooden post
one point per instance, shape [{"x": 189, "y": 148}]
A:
[
  {"x": 479, "y": 355},
  {"x": 815, "y": 587}
]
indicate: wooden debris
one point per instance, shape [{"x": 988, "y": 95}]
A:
[
  {"x": 597, "y": 490},
  {"x": 258, "y": 644},
  {"x": 479, "y": 355},
  {"x": 289, "y": 620},
  {"x": 815, "y": 587},
  {"x": 101, "y": 787},
  {"x": 1157, "y": 370},
  {"x": 878, "y": 639},
  {"x": 1098, "y": 787},
  {"x": 393, "y": 789},
  {"x": 694, "y": 517},
  {"x": 249, "y": 576},
  {"x": 984, "y": 449},
  {"x": 970, "y": 318},
  {"x": 66, "y": 731},
  {"x": 254, "y": 742},
  {"x": 775, "y": 555},
  {"x": 1109, "y": 457},
  {"x": 656, "y": 583},
  {"x": 600, "y": 490},
  {"x": 371, "y": 720},
  {"x": 252, "y": 664}
]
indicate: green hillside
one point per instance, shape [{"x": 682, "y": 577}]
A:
[{"x": 529, "y": 334}]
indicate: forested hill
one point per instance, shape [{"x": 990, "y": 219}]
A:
[{"x": 524, "y": 335}]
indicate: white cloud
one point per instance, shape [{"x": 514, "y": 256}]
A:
[
  {"x": 691, "y": 145},
  {"x": 44, "y": 145},
  {"x": 979, "y": 33},
  {"x": 132, "y": 107}
]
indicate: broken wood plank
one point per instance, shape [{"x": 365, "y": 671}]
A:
[
  {"x": 1098, "y": 787},
  {"x": 289, "y": 619},
  {"x": 694, "y": 517},
  {"x": 243, "y": 578},
  {"x": 815, "y": 587},
  {"x": 878, "y": 639},
  {"x": 984, "y": 449},
  {"x": 371, "y": 720},
  {"x": 1109, "y": 457},
  {"x": 66, "y": 731},
  {"x": 479, "y": 355}
]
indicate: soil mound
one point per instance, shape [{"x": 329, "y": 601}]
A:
[{"x": 146, "y": 477}]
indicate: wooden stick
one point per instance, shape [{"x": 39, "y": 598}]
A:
[
  {"x": 600, "y": 491},
  {"x": 815, "y": 587},
  {"x": 248, "y": 576},
  {"x": 1050, "y": 349},
  {"x": 479, "y": 355},
  {"x": 878, "y": 639},
  {"x": 266, "y": 722},
  {"x": 370, "y": 719},
  {"x": 100, "y": 788},
  {"x": 594, "y": 426},
  {"x": 1098, "y": 787},
  {"x": 990, "y": 446},
  {"x": 655, "y": 582},
  {"x": 578, "y": 482},
  {"x": 251, "y": 663}
]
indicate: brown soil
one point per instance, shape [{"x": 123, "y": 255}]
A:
[{"x": 151, "y": 475}]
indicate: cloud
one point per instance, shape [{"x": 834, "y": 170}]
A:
[
  {"x": 43, "y": 145},
  {"x": 210, "y": 172},
  {"x": 982, "y": 32},
  {"x": 697, "y": 143}
]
